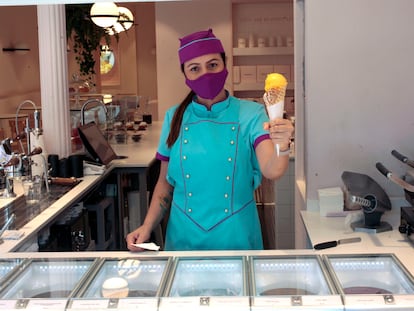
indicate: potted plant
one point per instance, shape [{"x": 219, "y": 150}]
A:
[{"x": 86, "y": 38}]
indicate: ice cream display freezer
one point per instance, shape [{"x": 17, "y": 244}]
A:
[
  {"x": 207, "y": 282},
  {"x": 123, "y": 283},
  {"x": 289, "y": 282},
  {"x": 379, "y": 282},
  {"x": 219, "y": 282}
]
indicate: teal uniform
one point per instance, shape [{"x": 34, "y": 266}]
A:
[{"x": 214, "y": 171}]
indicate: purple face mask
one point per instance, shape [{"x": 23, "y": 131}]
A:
[{"x": 208, "y": 86}]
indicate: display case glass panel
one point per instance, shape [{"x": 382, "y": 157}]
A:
[
  {"x": 121, "y": 278},
  {"x": 292, "y": 275},
  {"x": 208, "y": 276},
  {"x": 7, "y": 266},
  {"x": 370, "y": 274},
  {"x": 48, "y": 278}
]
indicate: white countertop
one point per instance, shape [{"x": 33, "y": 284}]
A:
[
  {"x": 404, "y": 254},
  {"x": 321, "y": 229},
  {"x": 138, "y": 154}
]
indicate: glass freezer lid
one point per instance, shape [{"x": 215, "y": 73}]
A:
[
  {"x": 47, "y": 278},
  {"x": 208, "y": 276},
  {"x": 369, "y": 274},
  {"x": 121, "y": 278},
  {"x": 289, "y": 275},
  {"x": 7, "y": 266}
]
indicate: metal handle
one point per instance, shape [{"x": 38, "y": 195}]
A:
[
  {"x": 382, "y": 169},
  {"x": 326, "y": 245},
  {"x": 399, "y": 156}
]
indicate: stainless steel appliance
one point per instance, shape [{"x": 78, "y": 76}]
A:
[
  {"x": 363, "y": 192},
  {"x": 286, "y": 282},
  {"x": 407, "y": 183},
  {"x": 207, "y": 283},
  {"x": 378, "y": 282}
]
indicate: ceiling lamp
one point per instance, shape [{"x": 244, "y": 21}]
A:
[
  {"x": 124, "y": 22},
  {"x": 104, "y": 14}
]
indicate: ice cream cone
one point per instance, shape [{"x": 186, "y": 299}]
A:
[{"x": 274, "y": 96}]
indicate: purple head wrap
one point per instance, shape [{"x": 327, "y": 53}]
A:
[{"x": 197, "y": 44}]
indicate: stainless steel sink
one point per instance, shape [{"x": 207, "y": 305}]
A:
[{"x": 25, "y": 212}]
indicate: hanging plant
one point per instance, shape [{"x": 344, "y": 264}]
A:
[{"x": 86, "y": 38}]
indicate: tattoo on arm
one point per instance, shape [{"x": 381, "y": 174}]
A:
[{"x": 165, "y": 203}]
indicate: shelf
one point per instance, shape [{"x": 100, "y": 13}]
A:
[
  {"x": 263, "y": 51},
  {"x": 103, "y": 223},
  {"x": 258, "y": 86}
]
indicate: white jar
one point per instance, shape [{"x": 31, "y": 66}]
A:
[
  {"x": 261, "y": 42},
  {"x": 241, "y": 43}
]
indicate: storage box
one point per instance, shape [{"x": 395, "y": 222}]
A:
[
  {"x": 263, "y": 71},
  {"x": 248, "y": 74},
  {"x": 331, "y": 201},
  {"x": 284, "y": 70},
  {"x": 236, "y": 74}
]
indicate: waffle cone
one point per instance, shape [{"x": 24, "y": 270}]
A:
[{"x": 275, "y": 95}]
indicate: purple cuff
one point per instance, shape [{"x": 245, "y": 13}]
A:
[
  {"x": 160, "y": 157},
  {"x": 260, "y": 139}
]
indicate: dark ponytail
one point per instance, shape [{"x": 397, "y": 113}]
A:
[{"x": 178, "y": 119}]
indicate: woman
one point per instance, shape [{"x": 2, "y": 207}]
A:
[{"x": 214, "y": 148}]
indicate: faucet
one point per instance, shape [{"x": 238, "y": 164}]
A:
[
  {"x": 6, "y": 226},
  {"x": 37, "y": 130},
  {"x": 86, "y": 103}
]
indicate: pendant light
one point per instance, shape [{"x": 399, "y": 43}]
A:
[
  {"x": 104, "y": 14},
  {"x": 125, "y": 21}
]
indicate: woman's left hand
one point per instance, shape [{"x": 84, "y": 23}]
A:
[{"x": 280, "y": 131}]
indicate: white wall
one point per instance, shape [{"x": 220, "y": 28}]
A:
[
  {"x": 359, "y": 103},
  {"x": 175, "y": 20},
  {"x": 19, "y": 75}
]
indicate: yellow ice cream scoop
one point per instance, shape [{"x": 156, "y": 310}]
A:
[{"x": 275, "y": 81}]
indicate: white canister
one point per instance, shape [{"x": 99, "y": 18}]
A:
[
  {"x": 241, "y": 43},
  {"x": 261, "y": 42}
]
